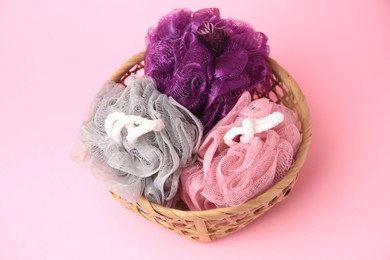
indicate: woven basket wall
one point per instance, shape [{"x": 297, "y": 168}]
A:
[{"x": 209, "y": 225}]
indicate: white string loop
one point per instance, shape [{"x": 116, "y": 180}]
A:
[
  {"x": 252, "y": 126},
  {"x": 136, "y": 126}
]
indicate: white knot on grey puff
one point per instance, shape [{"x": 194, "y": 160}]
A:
[
  {"x": 135, "y": 125},
  {"x": 136, "y": 140}
]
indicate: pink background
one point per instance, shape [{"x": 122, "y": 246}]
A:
[{"x": 54, "y": 55}]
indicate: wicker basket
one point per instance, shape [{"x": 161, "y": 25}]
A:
[{"x": 209, "y": 225}]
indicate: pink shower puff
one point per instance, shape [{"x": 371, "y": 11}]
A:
[{"x": 226, "y": 176}]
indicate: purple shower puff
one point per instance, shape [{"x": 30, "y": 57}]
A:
[{"x": 205, "y": 62}]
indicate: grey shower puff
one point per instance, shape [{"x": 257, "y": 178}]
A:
[{"x": 151, "y": 166}]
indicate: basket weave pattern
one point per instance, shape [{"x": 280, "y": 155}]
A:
[{"x": 209, "y": 225}]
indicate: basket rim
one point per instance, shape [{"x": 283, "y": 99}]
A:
[{"x": 264, "y": 197}]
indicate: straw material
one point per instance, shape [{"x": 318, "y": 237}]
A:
[{"x": 209, "y": 225}]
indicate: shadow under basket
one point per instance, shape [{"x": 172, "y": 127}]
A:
[{"x": 209, "y": 225}]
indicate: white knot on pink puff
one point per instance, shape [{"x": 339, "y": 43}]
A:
[{"x": 252, "y": 126}]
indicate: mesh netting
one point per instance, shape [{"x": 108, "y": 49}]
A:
[
  {"x": 151, "y": 165},
  {"x": 205, "y": 62},
  {"x": 226, "y": 176}
]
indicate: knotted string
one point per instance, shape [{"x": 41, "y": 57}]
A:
[
  {"x": 252, "y": 126},
  {"x": 136, "y": 126},
  {"x": 213, "y": 38}
]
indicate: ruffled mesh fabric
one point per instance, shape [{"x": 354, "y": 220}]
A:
[
  {"x": 229, "y": 176},
  {"x": 150, "y": 166},
  {"x": 205, "y": 62}
]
